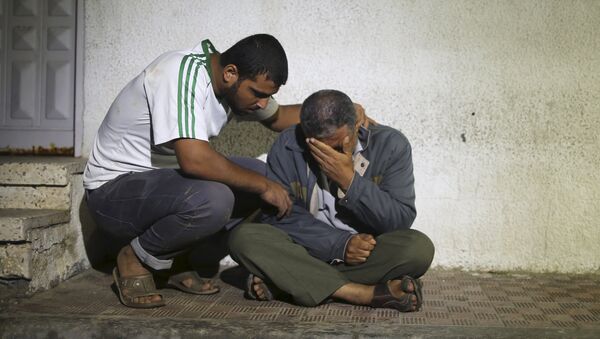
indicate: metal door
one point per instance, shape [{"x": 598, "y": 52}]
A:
[{"x": 37, "y": 75}]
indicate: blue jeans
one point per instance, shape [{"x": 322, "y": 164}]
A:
[{"x": 163, "y": 213}]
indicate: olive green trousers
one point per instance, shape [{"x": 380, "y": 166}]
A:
[{"x": 270, "y": 254}]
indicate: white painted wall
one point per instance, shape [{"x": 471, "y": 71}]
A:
[{"x": 519, "y": 80}]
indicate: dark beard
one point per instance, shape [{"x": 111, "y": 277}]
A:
[{"x": 230, "y": 96}]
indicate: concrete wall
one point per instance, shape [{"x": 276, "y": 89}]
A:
[{"x": 501, "y": 100}]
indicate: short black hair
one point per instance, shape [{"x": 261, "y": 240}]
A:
[
  {"x": 325, "y": 111},
  {"x": 258, "y": 54}
]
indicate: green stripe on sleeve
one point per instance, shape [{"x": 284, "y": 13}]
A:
[
  {"x": 186, "y": 97},
  {"x": 179, "y": 98},
  {"x": 199, "y": 66},
  {"x": 186, "y": 94}
]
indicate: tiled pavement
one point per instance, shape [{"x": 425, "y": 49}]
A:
[{"x": 457, "y": 304}]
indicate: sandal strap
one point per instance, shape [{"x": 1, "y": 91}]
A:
[
  {"x": 198, "y": 284},
  {"x": 191, "y": 275},
  {"x": 383, "y": 298},
  {"x": 251, "y": 294},
  {"x": 405, "y": 283},
  {"x": 381, "y": 295},
  {"x": 138, "y": 286},
  {"x": 417, "y": 288}
]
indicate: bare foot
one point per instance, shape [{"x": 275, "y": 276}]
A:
[
  {"x": 259, "y": 288},
  {"x": 206, "y": 284},
  {"x": 360, "y": 294},
  {"x": 129, "y": 266}
]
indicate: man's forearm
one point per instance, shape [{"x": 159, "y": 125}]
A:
[
  {"x": 196, "y": 158},
  {"x": 286, "y": 116}
]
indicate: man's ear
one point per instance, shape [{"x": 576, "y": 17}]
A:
[{"x": 230, "y": 74}]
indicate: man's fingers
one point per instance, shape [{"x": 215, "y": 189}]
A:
[
  {"x": 356, "y": 252},
  {"x": 325, "y": 161},
  {"x": 280, "y": 212},
  {"x": 289, "y": 206},
  {"x": 285, "y": 209},
  {"x": 362, "y": 118},
  {"x": 321, "y": 146},
  {"x": 277, "y": 196},
  {"x": 368, "y": 238},
  {"x": 366, "y": 246},
  {"x": 346, "y": 146},
  {"x": 360, "y": 113},
  {"x": 317, "y": 152},
  {"x": 359, "y": 252},
  {"x": 322, "y": 160}
]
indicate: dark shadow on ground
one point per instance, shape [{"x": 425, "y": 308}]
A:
[
  {"x": 101, "y": 249},
  {"x": 235, "y": 276}
]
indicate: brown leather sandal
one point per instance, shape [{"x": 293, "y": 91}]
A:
[
  {"x": 417, "y": 289},
  {"x": 383, "y": 298},
  {"x": 137, "y": 287},
  {"x": 175, "y": 281},
  {"x": 251, "y": 294}
]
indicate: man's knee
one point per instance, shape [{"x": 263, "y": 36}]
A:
[
  {"x": 423, "y": 251},
  {"x": 243, "y": 237},
  {"x": 209, "y": 204},
  {"x": 411, "y": 247},
  {"x": 248, "y": 238}
]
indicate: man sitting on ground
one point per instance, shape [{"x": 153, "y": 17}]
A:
[{"x": 348, "y": 235}]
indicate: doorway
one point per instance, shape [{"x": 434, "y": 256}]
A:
[{"x": 39, "y": 99}]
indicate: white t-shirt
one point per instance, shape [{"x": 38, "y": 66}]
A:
[{"x": 172, "y": 98}]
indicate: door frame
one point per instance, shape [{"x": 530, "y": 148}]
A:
[{"x": 79, "y": 79}]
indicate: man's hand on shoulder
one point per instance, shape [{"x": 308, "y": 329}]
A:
[
  {"x": 359, "y": 248},
  {"x": 361, "y": 117}
]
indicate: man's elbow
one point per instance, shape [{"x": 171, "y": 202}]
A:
[
  {"x": 186, "y": 166},
  {"x": 410, "y": 218},
  {"x": 403, "y": 220},
  {"x": 194, "y": 168}
]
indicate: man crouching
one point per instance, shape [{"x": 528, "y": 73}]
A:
[{"x": 348, "y": 236}]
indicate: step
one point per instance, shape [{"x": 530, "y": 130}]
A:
[
  {"x": 15, "y": 224},
  {"x": 38, "y": 182},
  {"x": 42, "y": 247},
  {"x": 38, "y": 170},
  {"x": 22, "y": 232},
  {"x": 50, "y": 257},
  {"x": 41, "y": 233},
  {"x": 35, "y": 197}
]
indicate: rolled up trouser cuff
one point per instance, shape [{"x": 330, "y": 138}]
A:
[{"x": 149, "y": 259}]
